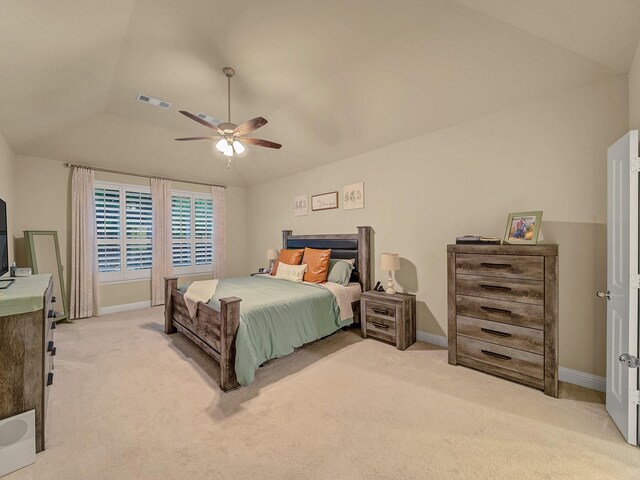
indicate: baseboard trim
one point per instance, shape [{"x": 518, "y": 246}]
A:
[
  {"x": 568, "y": 375},
  {"x": 124, "y": 307},
  {"x": 587, "y": 380},
  {"x": 432, "y": 338}
]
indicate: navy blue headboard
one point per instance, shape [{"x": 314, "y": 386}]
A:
[{"x": 356, "y": 246}]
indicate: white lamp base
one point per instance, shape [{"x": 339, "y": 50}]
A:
[{"x": 390, "y": 286}]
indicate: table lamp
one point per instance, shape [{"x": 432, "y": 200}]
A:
[
  {"x": 272, "y": 254},
  {"x": 390, "y": 262}
]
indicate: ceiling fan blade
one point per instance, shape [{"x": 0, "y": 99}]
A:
[
  {"x": 249, "y": 126},
  {"x": 200, "y": 121},
  {"x": 196, "y": 138},
  {"x": 260, "y": 142}
]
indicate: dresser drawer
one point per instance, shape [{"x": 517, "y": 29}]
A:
[
  {"x": 379, "y": 310},
  {"x": 521, "y": 314},
  {"x": 514, "y": 290},
  {"x": 381, "y": 328},
  {"x": 522, "y": 338},
  {"x": 525, "y": 363},
  {"x": 506, "y": 266}
]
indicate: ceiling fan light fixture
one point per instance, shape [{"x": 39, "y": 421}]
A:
[
  {"x": 222, "y": 145},
  {"x": 228, "y": 150},
  {"x": 238, "y": 147}
]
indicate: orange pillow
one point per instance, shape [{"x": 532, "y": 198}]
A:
[
  {"x": 290, "y": 257},
  {"x": 317, "y": 262}
]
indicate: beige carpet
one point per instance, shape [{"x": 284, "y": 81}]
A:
[{"x": 131, "y": 403}]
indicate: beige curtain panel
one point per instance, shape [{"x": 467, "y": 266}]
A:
[
  {"x": 85, "y": 286},
  {"x": 161, "y": 265},
  {"x": 219, "y": 232}
]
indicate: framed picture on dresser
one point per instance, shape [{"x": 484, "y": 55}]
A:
[{"x": 523, "y": 228}]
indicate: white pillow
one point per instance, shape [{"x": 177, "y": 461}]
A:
[{"x": 293, "y": 273}]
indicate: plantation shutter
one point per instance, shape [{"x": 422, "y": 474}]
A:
[
  {"x": 139, "y": 229},
  {"x": 108, "y": 221},
  {"x": 181, "y": 230},
  {"x": 203, "y": 212}
]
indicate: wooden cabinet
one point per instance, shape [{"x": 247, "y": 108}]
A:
[
  {"x": 27, "y": 349},
  {"x": 503, "y": 311},
  {"x": 389, "y": 317}
]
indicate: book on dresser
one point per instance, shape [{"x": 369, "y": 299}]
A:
[{"x": 503, "y": 311}]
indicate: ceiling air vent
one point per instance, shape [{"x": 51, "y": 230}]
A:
[
  {"x": 208, "y": 118},
  {"x": 153, "y": 101}
]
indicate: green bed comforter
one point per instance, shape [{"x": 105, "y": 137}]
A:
[{"x": 276, "y": 316}]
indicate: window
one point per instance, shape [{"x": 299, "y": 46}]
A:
[
  {"x": 192, "y": 232},
  {"x": 124, "y": 226}
]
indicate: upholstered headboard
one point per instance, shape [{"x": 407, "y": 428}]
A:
[{"x": 356, "y": 246}]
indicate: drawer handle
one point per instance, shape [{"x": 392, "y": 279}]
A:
[
  {"x": 380, "y": 325},
  {"x": 495, "y": 265},
  {"x": 496, "y": 310},
  {"x": 53, "y": 325},
  {"x": 53, "y": 299},
  {"x": 50, "y": 346},
  {"x": 495, "y": 355},
  {"x": 380, "y": 311},
  {"x": 49, "y": 379},
  {"x": 496, "y": 287},
  {"x": 53, "y": 352},
  {"x": 51, "y": 314},
  {"x": 495, "y": 332}
]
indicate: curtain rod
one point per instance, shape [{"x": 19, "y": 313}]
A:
[{"x": 134, "y": 174}]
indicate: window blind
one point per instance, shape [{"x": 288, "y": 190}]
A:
[
  {"x": 139, "y": 228},
  {"x": 108, "y": 220}
]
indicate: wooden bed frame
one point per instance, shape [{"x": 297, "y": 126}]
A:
[{"x": 215, "y": 332}]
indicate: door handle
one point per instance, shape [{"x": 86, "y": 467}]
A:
[
  {"x": 629, "y": 360},
  {"x": 606, "y": 295}
]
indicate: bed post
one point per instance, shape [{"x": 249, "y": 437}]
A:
[
  {"x": 170, "y": 283},
  {"x": 229, "y": 322},
  {"x": 364, "y": 257},
  {"x": 285, "y": 236}
]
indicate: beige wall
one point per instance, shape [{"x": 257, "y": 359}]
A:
[
  {"x": 42, "y": 193},
  {"x": 420, "y": 194},
  {"x": 7, "y": 175},
  {"x": 634, "y": 92}
]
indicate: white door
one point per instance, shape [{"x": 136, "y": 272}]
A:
[{"x": 622, "y": 264}]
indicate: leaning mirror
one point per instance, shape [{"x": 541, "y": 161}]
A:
[{"x": 43, "y": 256}]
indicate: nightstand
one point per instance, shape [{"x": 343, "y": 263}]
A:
[{"x": 389, "y": 317}]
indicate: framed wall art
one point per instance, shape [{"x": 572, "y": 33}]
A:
[
  {"x": 523, "y": 228},
  {"x": 353, "y": 196},
  {"x": 324, "y": 201},
  {"x": 301, "y": 205}
]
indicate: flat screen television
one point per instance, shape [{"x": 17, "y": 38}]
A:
[{"x": 4, "y": 239}]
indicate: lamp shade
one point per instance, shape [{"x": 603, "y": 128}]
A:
[
  {"x": 272, "y": 254},
  {"x": 389, "y": 262}
]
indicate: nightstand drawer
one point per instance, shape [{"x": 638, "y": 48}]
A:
[
  {"x": 507, "y": 266},
  {"x": 382, "y": 328},
  {"x": 380, "y": 310},
  {"x": 514, "y": 290},
  {"x": 522, "y": 338},
  {"x": 518, "y": 361},
  {"x": 522, "y": 314}
]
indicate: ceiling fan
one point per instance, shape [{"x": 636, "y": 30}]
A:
[{"x": 233, "y": 136}]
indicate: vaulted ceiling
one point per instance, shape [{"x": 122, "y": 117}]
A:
[{"x": 333, "y": 78}]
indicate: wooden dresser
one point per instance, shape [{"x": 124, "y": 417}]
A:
[
  {"x": 26, "y": 349},
  {"x": 503, "y": 311}
]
